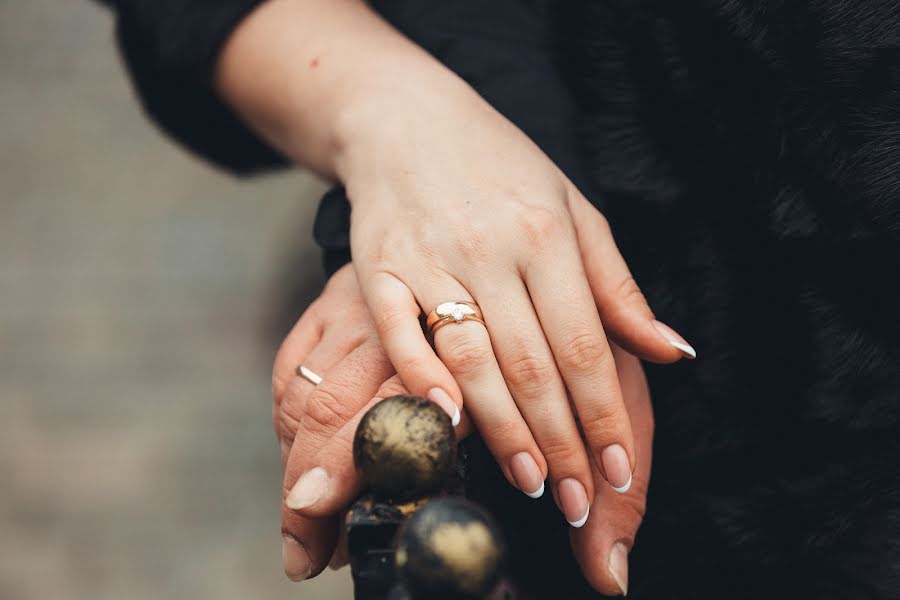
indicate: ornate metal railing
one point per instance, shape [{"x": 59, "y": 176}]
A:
[{"x": 412, "y": 535}]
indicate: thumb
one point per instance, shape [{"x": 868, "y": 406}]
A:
[
  {"x": 624, "y": 311},
  {"x": 333, "y": 475},
  {"x": 602, "y": 545},
  {"x": 331, "y": 481}
]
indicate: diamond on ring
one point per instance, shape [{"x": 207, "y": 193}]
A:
[
  {"x": 453, "y": 312},
  {"x": 457, "y": 310}
]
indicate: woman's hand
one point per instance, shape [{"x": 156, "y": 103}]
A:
[
  {"x": 315, "y": 425},
  {"x": 453, "y": 202},
  {"x": 446, "y": 212}
]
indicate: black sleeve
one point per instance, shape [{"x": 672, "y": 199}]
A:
[
  {"x": 504, "y": 49},
  {"x": 170, "y": 47}
]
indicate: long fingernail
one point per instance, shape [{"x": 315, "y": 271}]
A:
[
  {"x": 527, "y": 475},
  {"x": 675, "y": 339},
  {"x": 618, "y": 566},
  {"x": 308, "y": 490},
  {"x": 295, "y": 559},
  {"x": 573, "y": 502},
  {"x": 617, "y": 467},
  {"x": 443, "y": 399}
]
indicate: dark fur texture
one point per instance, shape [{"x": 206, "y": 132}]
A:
[{"x": 748, "y": 154}]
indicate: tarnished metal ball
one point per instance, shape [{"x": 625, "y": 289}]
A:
[
  {"x": 449, "y": 548},
  {"x": 405, "y": 447}
]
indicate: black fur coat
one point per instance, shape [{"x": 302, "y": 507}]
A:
[{"x": 748, "y": 155}]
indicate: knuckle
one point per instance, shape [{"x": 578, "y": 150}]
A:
[
  {"x": 412, "y": 364},
  {"x": 280, "y": 385},
  {"x": 530, "y": 374},
  {"x": 287, "y": 427},
  {"x": 293, "y": 401},
  {"x": 603, "y": 427},
  {"x": 473, "y": 245},
  {"x": 584, "y": 352},
  {"x": 325, "y": 412},
  {"x": 423, "y": 236},
  {"x": 539, "y": 225},
  {"x": 466, "y": 354},
  {"x": 388, "y": 319},
  {"x": 561, "y": 454},
  {"x": 313, "y": 311},
  {"x": 630, "y": 292},
  {"x": 376, "y": 249},
  {"x": 512, "y": 433},
  {"x": 342, "y": 281}
]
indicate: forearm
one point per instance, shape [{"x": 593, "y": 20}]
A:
[{"x": 320, "y": 78}]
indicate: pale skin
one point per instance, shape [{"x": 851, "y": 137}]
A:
[
  {"x": 452, "y": 202},
  {"x": 315, "y": 425}
]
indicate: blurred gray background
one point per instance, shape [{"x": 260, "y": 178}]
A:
[{"x": 142, "y": 295}]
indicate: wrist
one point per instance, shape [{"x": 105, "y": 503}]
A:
[
  {"x": 329, "y": 83},
  {"x": 376, "y": 129}
]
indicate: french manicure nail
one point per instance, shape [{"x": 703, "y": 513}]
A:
[
  {"x": 308, "y": 490},
  {"x": 617, "y": 466},
  {"x": 527, "y": 475},
  {"x": 573, "y": 501},
  {"x": 618, "y": 566},
  {"x": 443, "y": 399},
  {"x": 295, "y": 559},
  {"x": 675, "y": 339}
]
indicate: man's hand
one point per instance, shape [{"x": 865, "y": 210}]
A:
[
  {"x": 315, "y": 424},
  {"x": 334, "y": 338}
]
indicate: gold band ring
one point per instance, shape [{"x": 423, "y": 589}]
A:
[
  {"x": 453, "y": 312},
  {"x": 309, "y": 375}
]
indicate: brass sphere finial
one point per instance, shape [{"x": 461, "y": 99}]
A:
[
  {"x": 449, "y": 548},
  {"x": 405, "y": 447}
]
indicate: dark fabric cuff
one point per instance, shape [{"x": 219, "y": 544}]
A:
[{"x": 170, "y": 47}]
